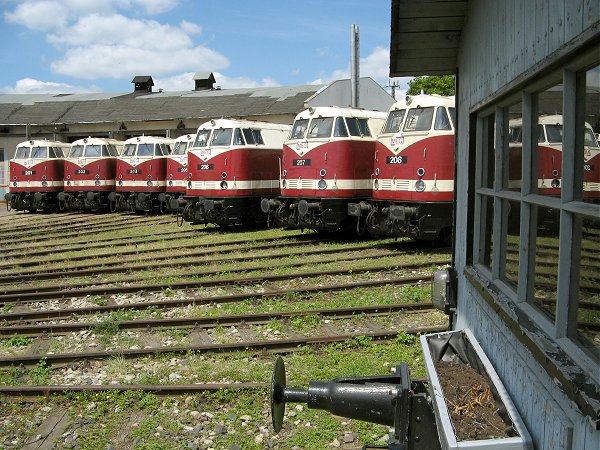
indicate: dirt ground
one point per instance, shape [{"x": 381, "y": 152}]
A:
[{"x": 470, "y": 402}]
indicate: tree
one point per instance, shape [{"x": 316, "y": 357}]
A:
[{"x": 441, "y": 85}]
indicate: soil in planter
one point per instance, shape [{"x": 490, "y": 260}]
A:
[{"x": 470, "y": 402}]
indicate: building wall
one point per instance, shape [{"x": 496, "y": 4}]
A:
[{"x": 503, "y": 43}]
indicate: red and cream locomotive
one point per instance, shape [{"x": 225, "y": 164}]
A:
[
  {"x": 89, "y": 175},
  {"x": 327, "y": 163},
  {"x": 177, "y": 171},
  {"x": 549, "y": 158},
  {"x": 231, "y": 166},
  {"x": 413, "y": 174},
  {"x": 36, "y": 175},
  {"x": 141, "y": 171}
]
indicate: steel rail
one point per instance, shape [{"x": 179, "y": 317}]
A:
[
  {"x": 53, "y": 294},
  {"x": 190, "y": 259},
  {"x": 279, "y": 345},
  {"x": 212, "y": 321},
  {"x": 65, "y": 313}
]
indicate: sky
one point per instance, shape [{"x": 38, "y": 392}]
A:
[{"x": 75, "y": 46}]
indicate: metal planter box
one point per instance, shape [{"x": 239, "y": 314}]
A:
[{"x": 462, "y": 346}]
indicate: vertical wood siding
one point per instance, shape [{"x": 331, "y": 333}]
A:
[{"x": 502, "y": 40}]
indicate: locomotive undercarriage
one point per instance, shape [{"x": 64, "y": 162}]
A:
[
  {"x": 83, "y": 200},
  {"x": 420, "y": 221},
  {"x": 222, "y": 211},
  {"x": 320, "y": 214},
  {"x": 31, "y": 201},
  {"x": 134, "y": 201},
  {"x": 169, "y": 201}
]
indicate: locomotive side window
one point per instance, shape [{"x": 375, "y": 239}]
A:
[
  {"x": 55, "y": 152},
  {"x": 129, "y": 150},
  {"x": 179, "y": 149},
  {"x": 162, "y": 150},
  {"x": 299, "y": 129},
  {"x": 340, "y": 127},
  {"x": 108, "y": 150},
  {"x": 258, "y": 136},
  {"x": 202, "y": 138},
  {"x": 419, "y": 119},
  {"x": 320, "y": 127},
  {"x": 394, "y": 121},
  {"x": 353, "y": 127},
  {"x": 76, "y": 151},
  {"x": 92, "y": 151},
  {"x": 442, "y": 122},
  {"x": 249, "y": 136},
  {"x": 590, "y": 139},
  {"x": 363, "y": 126},
  {"x": 22, "y": 153},
  {"x": 554, "y": 133},
  {"x": 39, "y": 152},
  {"x": 222, "y": 136},
  {"x": 452, "y": 112}
]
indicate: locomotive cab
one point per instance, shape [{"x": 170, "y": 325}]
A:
[
  {"x": 36, "y": 175},
  {"x": 177, "y": 170},
  {"x": 140, "y": 174}
]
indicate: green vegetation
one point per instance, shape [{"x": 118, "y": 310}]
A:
[{"x": 441, "y": 85}]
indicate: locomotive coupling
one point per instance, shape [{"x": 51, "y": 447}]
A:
[
  {"x": 210, "y": 205},
  {"x": 269, "y": 204},
  {"x": 358, "y": 209},
  {"x": 400, "y": 213},
  {"x": 391, "y": 400},
  {"x": 304, "y": 207}
]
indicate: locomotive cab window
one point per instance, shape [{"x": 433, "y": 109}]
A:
[
  {"x": 22, "y": 153},
  {"x": 340, "y": 128},
  {"x": 394, "y": 121},
  {"x": 92, "y": 151},
  {"x": 299, "y": 129},
  {"x": 363, "y": 126},
  {"x": 39, "y": 152},
  {"x": 162, "y": 150},
  {"x": 320, "y": 127},
  {"x": 145, "y": 150},
  {"x": 419, "y": 119},
  {"x": 55, "y": 152},
  {"x": 129, "y": 150},
  {"x": 442, "y": 122},
  {"x": 202, "y": 138},
  {"x": 222, "y": 137},
  {"x": 76, "y": 151},
  {"x": 258, "y": 139},
  {"x": 179, "y": 149},
  {"x": 238, "y": 139}
]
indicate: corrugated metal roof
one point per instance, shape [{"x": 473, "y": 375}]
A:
[{"x": 18, "y": 109}]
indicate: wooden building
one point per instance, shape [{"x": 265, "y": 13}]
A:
[{"x": 522, "y": 60}]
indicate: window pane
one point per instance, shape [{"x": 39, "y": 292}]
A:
[
  {"x": 394, "y": 121},
  {"x": 92, "y": 151},
  {"x": 258, "y": 139},
  {"x": 202, "y": 138},
  {"x": 363, "y": 125},
  {"x": 222, "y": 136},
  {"x": 487, "y": 218},
  {"x": 591, "y": 149},
  {"x": 488, "y": 151},
  {"x": 299, "y": 129},
  {"x": 145, "y": 150},
  {"x": 238, "y": 139},
  {"x": 588, "y": 312},
  {"x": 419, "y": 119},
  {"x": 353, "y": 126},
  {"x": 513, "y": 238},
  {"x": 442, "y": 122},
  {"x": 22, "y": 153},
  {"x": 39, "y": 152},
  {"x": 249, "y": 136},
  {"x": 76, "y": 151},
  {"x": 320, "y": 128},
  {"x": 340, "y": 128},
  {"x": 515, "y": 147},
  {"x": 546, "y": 260},
  {"x": 549, "y": 151}
]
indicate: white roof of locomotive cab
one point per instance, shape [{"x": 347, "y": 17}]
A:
[
  {"x": 235, "y": 123},
  {"x": 42, "y": 142},
  {"x": 148, "y": 140},
  {"x": 190, "y": 137},
  {"x": 338, "y": 111},
  {"x": 96, "y": 141},
  {"x": 423, "y": 100}
]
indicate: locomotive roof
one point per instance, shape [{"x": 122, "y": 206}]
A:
[
  {"x": 96, "y": 140},
  {"x": 148, "y": 139},
  {"x": 549, "y": 119},
  {"x": 185, "y": 138},
  {"x": 334, "y": 111},
  {"x": 423, "y": 100},
  {"x": 238, "y": 123},
  {"x": 40, "y": 142}
]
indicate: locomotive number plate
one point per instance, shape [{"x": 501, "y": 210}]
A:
[
  {"x": 134, "y": 171},
  {"x": 401, "y": 159},
  {"x": 301, "y": 162},
  {"x": 588, "y": 167},
  {"x": 396, "y": 141},
  {"x": 82, "y": 171},
  {"x": 182, "y": 169},
  {"x": 206, "y": 166},
  {"x": 28, "y": 172}
]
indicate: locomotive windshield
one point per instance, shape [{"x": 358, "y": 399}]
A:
[
  {"x": 39, "y": 152},
  {"x": 340, "y": 128},
  {"x": 358, "y": 127},
  {"x": 202, "y": 138},
  {"x": 22, "y": 153},
  {"x": 394, "y": 121},
  {"x": 590, "y": 139},
  {"x": 554, "y": 133},
  {"x": 253, "y": 136},
  {"x": 180, "y": 148},
  {"x": 55, "y": 152},
  {"x": 419, "y": 119},
  {"x": 222, "y": 137},
  {"x": 442, "y": 121},
  {"x": 145, "y": 150},
  {"x": 320, "y": 127},
  {"x": 299, "y": 129},
  {"x": 129, "y": 150}
]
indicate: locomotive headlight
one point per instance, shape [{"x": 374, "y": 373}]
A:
[
  {"x": 322, "y": 184},
  {"x": 14, "y": 184},
  {"x": 223, "y": 184},
  {"x": 420, "y": 171},
  {"x": 284, "y": 184},
  {"x": 170, "y": 182},
  {"x": 189, "y": 184},
  {"x": 97, "y": 182},
  {"x": 322, "y": 172},
  {"x": 45, "y": 183},
  {"x": 376, "y": 185},
  {"x": 120, "y": 182},
  {"x": 555, "y": 183},
  {"x": 420, "y": 186},
  {"x": 149, "y": 183},
  {"x": 68, "y": 183},
  {"x": 555, "y": 173}
]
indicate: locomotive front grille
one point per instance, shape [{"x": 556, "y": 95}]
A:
[{"x": 306, "y": 184}]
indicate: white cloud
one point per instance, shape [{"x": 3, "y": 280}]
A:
[
  {"x": 190, "y": 27},
  {"x": 39, "y": 15},
  {"x": 242, "y": 82},
  {"x": 31, "y": 86},
  {"x": 155, "y": 6},
  {"x": 184, "y": 82}
]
